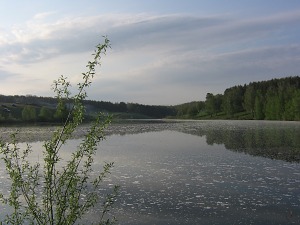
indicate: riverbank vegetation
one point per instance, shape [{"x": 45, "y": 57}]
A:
[
  {"x": 60, "y": 189},
  {"x": 276, "y": 99}
]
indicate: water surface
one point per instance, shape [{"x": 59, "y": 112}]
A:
[{"x": 199, "y": 172}]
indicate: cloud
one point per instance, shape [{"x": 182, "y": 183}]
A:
[
  {"x": 14, "y": 83},
  {"x": 5, "y": 75},
  {"x": 157, "y": 59},
  {"x": 176, "y": 81},
  {"x": 38, "y": 40},
  {"x": 44, "y": 15}
]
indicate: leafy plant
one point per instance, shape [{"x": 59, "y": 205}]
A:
[{"x": 52, "y": 192}]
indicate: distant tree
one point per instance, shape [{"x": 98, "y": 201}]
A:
[
  {"x": 29, "y": 113},
  {"x": 273, "y": 109},
  {"x": 249, "y": 99},
  {"x": 270, "y": 107},
  {"x": 2, "y": 118},
  {"x": 186, "y": 110},
  {"x": 259, "y": 106},
  {"x": 45, "y": 114},
  {"x": 182, "y": 110},
  {"x": 210, "y": 104},
  {"x": 289, "y": 112},
  {"x": 296, "y": 105},
  {"x": 213, "y": 103},
  {"x": 201, "y": 106},
  {"x": 132, "y": 108},
  {"x": 193, "y": 109},
  {"x": 62, "y": 112},
  {"x": 122, "y": 107},
  {"x": 292, "y": 107},
  {"x": 233, "y": 100},
  {"x": 218, "y": 102}
]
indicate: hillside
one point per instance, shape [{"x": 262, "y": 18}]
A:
[
  {"x": 276, "y": 99},
  {"x": 44, "y": 109}
]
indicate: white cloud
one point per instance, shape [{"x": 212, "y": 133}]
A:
[
  {"x": 44, "y": 15},
  {"x": 156, "y": 59}
]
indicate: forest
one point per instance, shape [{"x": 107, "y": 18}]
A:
[
  {"x": 276, "y": 99},
  {"x": 32, "y": 109}
]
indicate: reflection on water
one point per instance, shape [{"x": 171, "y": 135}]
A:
[
  {"x": 272, "y": 139},
  {"x": 275, "y": 140},
  {"x": 182, "y": 173}
]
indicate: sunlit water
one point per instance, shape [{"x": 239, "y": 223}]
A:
[{"x": 185, "y": 173}]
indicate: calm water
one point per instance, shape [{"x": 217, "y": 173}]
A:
[{"x": 204, "y": 172}]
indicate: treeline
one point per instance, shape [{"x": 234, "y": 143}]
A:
[
  {"x": 276, "y": 99},
  {"x": 19, "y": 112},
  {"x": 31, "y": 108},
  {"x": 151, "y": 111}
]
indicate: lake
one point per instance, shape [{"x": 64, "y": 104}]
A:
[{"x": 195, "y": 172}]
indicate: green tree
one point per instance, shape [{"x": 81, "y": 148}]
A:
[
  {"x": 62, "y": 112},
  {"x": 2, "y": 118},
  {"x": 233, "y": 100},
  {"x": 273, "y": 107},
  {"x": 249, "y": 99},
  {"x": 259, "y": 106},
  {"x": 45, "y": 114},
  {"x": 210, "y": 105},
  {"x": 193, "y": 109},
  {"x": 29, "y": 113},
  {"x": 182, "y": 110},
  {"x": 292, "y": 107},
  {"x": 213, "y": 103},
  {"x": 296, "y": 104},
  {"x": 52, "y": 193},
  {"x": 289, "y": 112},
  {"x": 122, "y": 107}
]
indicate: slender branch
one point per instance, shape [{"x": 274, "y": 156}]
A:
[{"x": 61, "y": 202}]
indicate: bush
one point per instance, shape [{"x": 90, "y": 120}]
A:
[{"x": 51, "y": 193}]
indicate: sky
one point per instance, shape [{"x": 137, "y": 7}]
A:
[{"x": 163, "y": 52}]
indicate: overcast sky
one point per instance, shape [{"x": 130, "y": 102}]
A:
[{"x": 164, "y": 52}]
